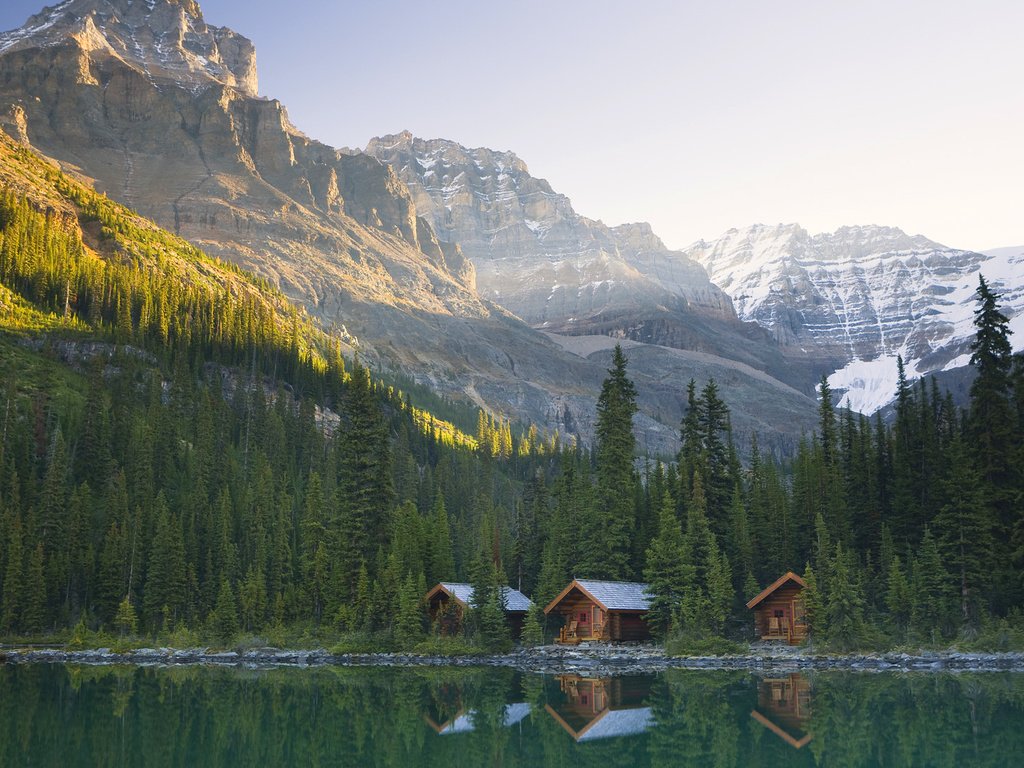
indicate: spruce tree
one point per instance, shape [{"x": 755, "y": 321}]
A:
[
  {"x": 126, "y": 621},
  {"x": 13, "y": 583},
  {"x": 533, "y": 626},
  {"x": 963, "y": 528},
  {"x": 615, "y": 449},
  {"x": 669, "y": 572},
  {"x": 224, "y": 621},
  {"x": 408, "y": 627},
  {"x": 845, "y": 603},
  {"x": 33, "y": 612}
]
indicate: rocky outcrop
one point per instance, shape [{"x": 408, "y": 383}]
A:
[
  {"x": 563, "y": 272},
  {"x": 857, "y": 298},
  {"x": 532, "y": 251},
  {"x": 161, "y": 111}
]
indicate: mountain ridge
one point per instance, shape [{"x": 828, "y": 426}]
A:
[
  {"x": 860, "y": 297},
  {"x": 335, "y": 230}
]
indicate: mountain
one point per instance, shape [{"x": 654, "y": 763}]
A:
[
  {"x": 855, "y": 299},
  {"x": 160, "y": 111},
  {"x": 563, "y": 272}
]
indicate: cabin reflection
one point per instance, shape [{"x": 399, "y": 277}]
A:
[
  {"x": 602, "y": 708},
  {"x": 784, "y": 708},
  {"x": 464, "y": 721},
  {"x": 447, "y": 714}
]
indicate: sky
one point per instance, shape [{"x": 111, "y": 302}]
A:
[{"x": 694, "y": 116}]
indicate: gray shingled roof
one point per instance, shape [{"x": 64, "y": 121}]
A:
[
  {"x": 619, "y": 722},
  {"x": 618, "y": 595},
  {"x": 514, "y": 599},
  {"x": 464, "y": 722}
]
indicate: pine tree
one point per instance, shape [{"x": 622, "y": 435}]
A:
[
  {"x": 844, "y": 609},
  {"x": 930, "y": 588},
  {"x": 669, "y": 571},
  {"x": 963, "y": 528},
  {"x": 126, "y": 621},
  {"x": 898, "y": 596},
  {"x": 442, "y": 559},
  {"x": 224, "y": 621},
  {"x": 533, "y": 626},
  {"x": 13, "y": 584},
  {"x": 615, "y": 449},
  {"x": 409, "y": 619},
  {"x": 815, "y": 616},
  {"x": 33, "y": 613},
  {"x": 165, "y": 597}
]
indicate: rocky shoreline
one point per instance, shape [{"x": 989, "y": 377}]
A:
[{"x": 595, "y": 660}]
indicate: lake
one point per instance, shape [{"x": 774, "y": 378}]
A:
[{"x": 69, "y": 716}]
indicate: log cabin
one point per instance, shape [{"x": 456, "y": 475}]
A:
[
  {"x": 779, "y": 611},
  {"x": 448, "y": 601},
  {"x": 605, "y": 611}
]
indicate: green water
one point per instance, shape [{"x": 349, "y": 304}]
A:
[{"x": 69, "y": 716}]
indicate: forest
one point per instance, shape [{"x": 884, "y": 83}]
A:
[{"x": 186, "y": 457}]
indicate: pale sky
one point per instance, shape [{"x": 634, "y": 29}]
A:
[{"x": 694, "y": 116}]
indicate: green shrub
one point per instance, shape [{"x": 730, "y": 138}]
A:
[
  {"x": 451, "y": 645},
  {"x": 681, "y": 645}
]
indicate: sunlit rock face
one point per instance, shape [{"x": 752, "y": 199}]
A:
[
  {"x": 532, "y": 251},
  {"x": 861, "y": 296},
  {"x": 161, "y": 111},
  {"x": 561, "y": 271}
]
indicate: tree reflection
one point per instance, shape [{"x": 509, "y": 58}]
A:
[{"x": 53, "y": 715}]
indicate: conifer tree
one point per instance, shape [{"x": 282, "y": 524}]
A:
[
  {"x": 815, "y": 616},
  {"x": 13, "y": 584},
  {"x": 33, "y": 613},
  {"x": 533, "y": 626},
  {"x": 408, "y": 627},
  {"x": 930, "y": 589},
  {"x": 669, "y": 571},
  {"x": 615, "y": 449},
  {"x": 844, "y": 609},
  {"x": 126, "y": 621},
  {"x": 963, "y": 529},
  {"x": 164, "y": 597},
  {"x": 898, "y": 597},
  {"x": 224, "y": 621}
]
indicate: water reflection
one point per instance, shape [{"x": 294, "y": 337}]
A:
[
  {"x": 602, "y": 708},
  {"x": 784, "y": 708},
  {"x": 74, "y": 717}
]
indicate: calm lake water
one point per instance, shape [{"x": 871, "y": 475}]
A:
[{"x": 68, "y": 716}]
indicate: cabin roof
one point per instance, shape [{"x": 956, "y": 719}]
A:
[
  {"x": 465, "y": 721},
  {"x": 788, "y": 576},
  {"x": 618, "y": 722},
  {"x": 609, "y": 595},
  {"x": 515, "y": 601}
]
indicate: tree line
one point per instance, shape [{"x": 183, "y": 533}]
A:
[{"x": 215, "y": 465}]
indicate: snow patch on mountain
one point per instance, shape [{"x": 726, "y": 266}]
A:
[{"x": 864, "y": 294}]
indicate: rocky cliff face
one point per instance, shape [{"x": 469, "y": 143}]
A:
[
  {"x": 532, "y": 251},
  {"x": 563, "y": 272},
  {"x": 858, "y": 297},
  {"x": 161, "y": 111}
]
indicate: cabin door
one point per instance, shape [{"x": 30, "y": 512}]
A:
[{"x": 583, "y": 623}]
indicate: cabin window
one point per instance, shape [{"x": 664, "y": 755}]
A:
[
  {"x": 584, "y": 617},
  {"x": 779, "y": 613}
]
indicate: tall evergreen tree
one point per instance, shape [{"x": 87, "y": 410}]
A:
[
  {"x": 669, "y": 571},
  {"x": 615, "y": 449}
]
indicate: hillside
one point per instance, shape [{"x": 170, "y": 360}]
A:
[{"x": 160, "y": 110}]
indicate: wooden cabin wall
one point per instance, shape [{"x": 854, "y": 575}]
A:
[
  {"x": 782, "y": 599},
  {"x": 630, "y": 627}
]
